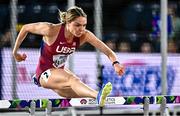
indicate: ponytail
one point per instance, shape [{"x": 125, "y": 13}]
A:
[{"x": 62, "y": 17}]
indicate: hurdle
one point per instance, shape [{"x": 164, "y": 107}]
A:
[
  {"x": 146, "y": 106},
  {"x": 32, "y": 108},
  {"x": 50, "y": 104}
]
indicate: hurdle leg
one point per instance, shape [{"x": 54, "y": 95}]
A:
[
  {"x": 163, "y": 108},
  {"x": 101, "y": 110},
  {"x": 72, "y": 111},
  {"x": 167, "y": 112},
  {"x": 49, "y": 108},
  {"x": 146, "y": 106},
  {"x": 153, "y": 113},
  {"x": 32, "y": 108},
  {"x": 175, "y": 112}
]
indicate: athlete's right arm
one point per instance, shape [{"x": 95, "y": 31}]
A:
[{"x": 41, "y": 28}]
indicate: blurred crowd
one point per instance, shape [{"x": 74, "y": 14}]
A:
[
  {"x": 128, "y": 25},
  {"x": 140, "y": 28}
]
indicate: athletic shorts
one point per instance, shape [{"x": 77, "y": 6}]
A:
[
  {"x": 36, "y": 80},
  {"x": 44, "y": 76}
]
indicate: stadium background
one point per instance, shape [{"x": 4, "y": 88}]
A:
[{"x": 129, "y": 27}]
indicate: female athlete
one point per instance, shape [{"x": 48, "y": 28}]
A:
[{"x": 59, "y": 41}]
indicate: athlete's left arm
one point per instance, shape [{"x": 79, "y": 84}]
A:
[{"x": 93, "y": 40}]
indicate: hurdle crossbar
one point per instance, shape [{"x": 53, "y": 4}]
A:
[{"x": 78, "y": 102}]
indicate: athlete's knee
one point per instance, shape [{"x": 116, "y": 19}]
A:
[{"x": 44, "y": 84}]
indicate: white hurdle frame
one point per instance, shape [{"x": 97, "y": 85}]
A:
[
  {"x": 117, "y": 102},
  {"x": 72, "y": 111}
]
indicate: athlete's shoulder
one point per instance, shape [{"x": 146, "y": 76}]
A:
[
  {"x": 87, "y": 36},
  {"x": 48, "y": 24},
  {"x": 87, "y": 33},
  {"x": 41, "y": 23},
  {"x": 53, "y": 28}
]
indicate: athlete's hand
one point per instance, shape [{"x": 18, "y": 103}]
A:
[
  {"x": 119, "y": 69},
  {"x": 19, "y": 57}
]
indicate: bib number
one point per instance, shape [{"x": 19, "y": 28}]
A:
[{"x": 59, "y": 60}]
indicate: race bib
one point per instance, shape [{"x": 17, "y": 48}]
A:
[{"x": 59, "y": 60}]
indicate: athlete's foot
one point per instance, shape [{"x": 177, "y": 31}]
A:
[{"x": 103, "y": 93}]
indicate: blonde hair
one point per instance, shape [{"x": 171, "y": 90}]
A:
[{"x": 71, "y": 14}]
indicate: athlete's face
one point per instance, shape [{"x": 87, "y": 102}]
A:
[{"x": 78, "y": 26}]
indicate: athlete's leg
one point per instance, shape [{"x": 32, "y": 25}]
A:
[
  {"x": 102, "y": 94},
  {"x": 66, "y": 84},
  {"x": 65, "y": 93}
]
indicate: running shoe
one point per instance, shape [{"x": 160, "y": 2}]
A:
[{"x": 103, "y": 93}]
